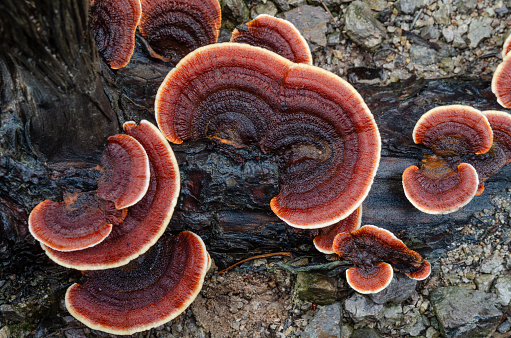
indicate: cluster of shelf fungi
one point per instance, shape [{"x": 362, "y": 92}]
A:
[{"x": 260, "y": 88}]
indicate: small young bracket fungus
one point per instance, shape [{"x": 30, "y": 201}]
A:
[
  {"x": 146, "y": 221},
  {"x": 318, "y": 125},
  {"x": 325, "y": 240},
  {"x": 435, "y": 188},
  {"x": 125, "y": 168},
  {"x": 501, "y": 82},
  {"x": 506, "y": 47},
  {"x": 454, "y": 130},
  {"x": 146, "y": 293},
  {"x": 277, "y": 35},
  {"x": 174, "y": 28},
  {"x": 499, "y": 154},
  {"x": 114, "y": 23},
  {"x": 82, "y": 220},
  {"x": 369, "y": 247}
]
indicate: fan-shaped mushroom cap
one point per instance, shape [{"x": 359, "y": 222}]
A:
[
  {"x": 114, "y": 23},
  {"x": 370, "y": 279},
  {"x": 125, "y": 167},
  {"x": 146, "y": 293},
  {"x": 422, "y": 273},
  {"x": 370, "y": 245},
  {"x": 146, "y": 221},
  {"x": 499, "y": 154},
  {"x": 80, "y": 221},
  {"x": 174, "y": 28},
  {"x": 325, "y": 240},
  {"x": 506, "y": 47},
  {"x": 320, "y": 126},
  {"x": 501, "y": 82},
  {"x": 437, "y": 189},
  {"x": 454, "y": 130},
  {"x": 277, "y": 35}
]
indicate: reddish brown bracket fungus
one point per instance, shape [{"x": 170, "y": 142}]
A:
[
  {"x": 146, "y": 293},
  {"x": 146, "y": 221},
  {"x": 501, "y": 82},
  {"x": 82, "y": 220},
  {"x": 325, "y": 240},
  {"x": 316, "y": 123},
  {"x": 369, "y": 247},
  {"x": 435, "y": 188},
  {"x": 174, "y": 28},
  {"x": 454, "y": 130},
  {"x": 506, "y": 47},
  {"x": 277, "y": 35},
  {"x": 125, "y": 168},
  {"x": 114, "y": 23},
  {"x": 499, "y": 154}
]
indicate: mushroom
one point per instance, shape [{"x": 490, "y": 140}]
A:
[
  {"x": 125, "y": 168},
  {"x": 373, "y": 251},
  {"x": 443, "y": 184},
  {"x": 174, "y": 28},
  {"x": 324, "y": 241},
  {"x": 499, "y": 154},
  {"x": 277, "y": 35},
  {"x": 501, "y": 82},
  {"x": 114, "y": 23},
  {"x": 147, "y": 292},
  {"x": 435, "y": 188},
  {"x": 146, "y": 221},
  {"x": 506, "y": 47},
  {"x": 317, "y": 124},
  {"x": 82, "y": 220}
]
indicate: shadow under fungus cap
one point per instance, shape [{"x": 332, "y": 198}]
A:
[
  {"x": 114, "y": 23},
  {"x": 146, "y": 221},
  {"x": 147, "y": 292},
  {"x": 277, "y": 35},
  {"x": 324, "y": 136}
]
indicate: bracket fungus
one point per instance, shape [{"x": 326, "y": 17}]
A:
[
  {"x": 147, "y": 292},
  {"x": 315, "y": 123},
  {"x": 277, "y": 35},
  {"x": 499, "y": 154},
  {"x": 506, "y": 47},
  {"x": 114, "y": 23},
  {"x": 125, "y": 168},
  {"x": 82, "y": 220},
  {"x": 374, "y": 251},
  {"x": 325, "y": 240},
  {"x": 146, "y": 221},
  {"x": 174, "y": 28},
  {"x": 443, "y": 184}
]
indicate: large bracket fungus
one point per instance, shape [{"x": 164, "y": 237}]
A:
[
  {"x": 147, "y": 292},
  {"x": 373, "y": 251},
  {"x": 277, "y": 35},
  {"x": 325, "y": 240},
  {"x": 501, "y": 81},
  {"x": 146, "y": 221},
  {"x": 443, "y": 184},
  {"x": 174, "y": 28},
  {"x": 325, "y": 137},
  {"x": 114, "y": 23}
]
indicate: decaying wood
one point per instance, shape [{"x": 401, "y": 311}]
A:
[{"x": 59, "y": 103}]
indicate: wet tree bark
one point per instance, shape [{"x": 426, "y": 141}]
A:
[{"x": 59, "y": 103}]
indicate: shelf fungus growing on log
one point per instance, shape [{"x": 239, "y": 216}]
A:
[
  {"x": 501, "y": 81},
  {"x": 114, "y": 23},
  {"x": 499, "y": 154},
  {"x": 147, "y": 292},
  {"x": 277, "y": 35},
  {"x": 174, "y": 28},
  {"x": 375, "y": 252},
  {"x": 317, "y": 125},
  {"x": 83, "y": 220},
  {"x": 324, "y": 241},
  {"x": 444, "y": 184},
  {"x": 146, "y": 221},
  {"x": 506, "y": 47}
]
